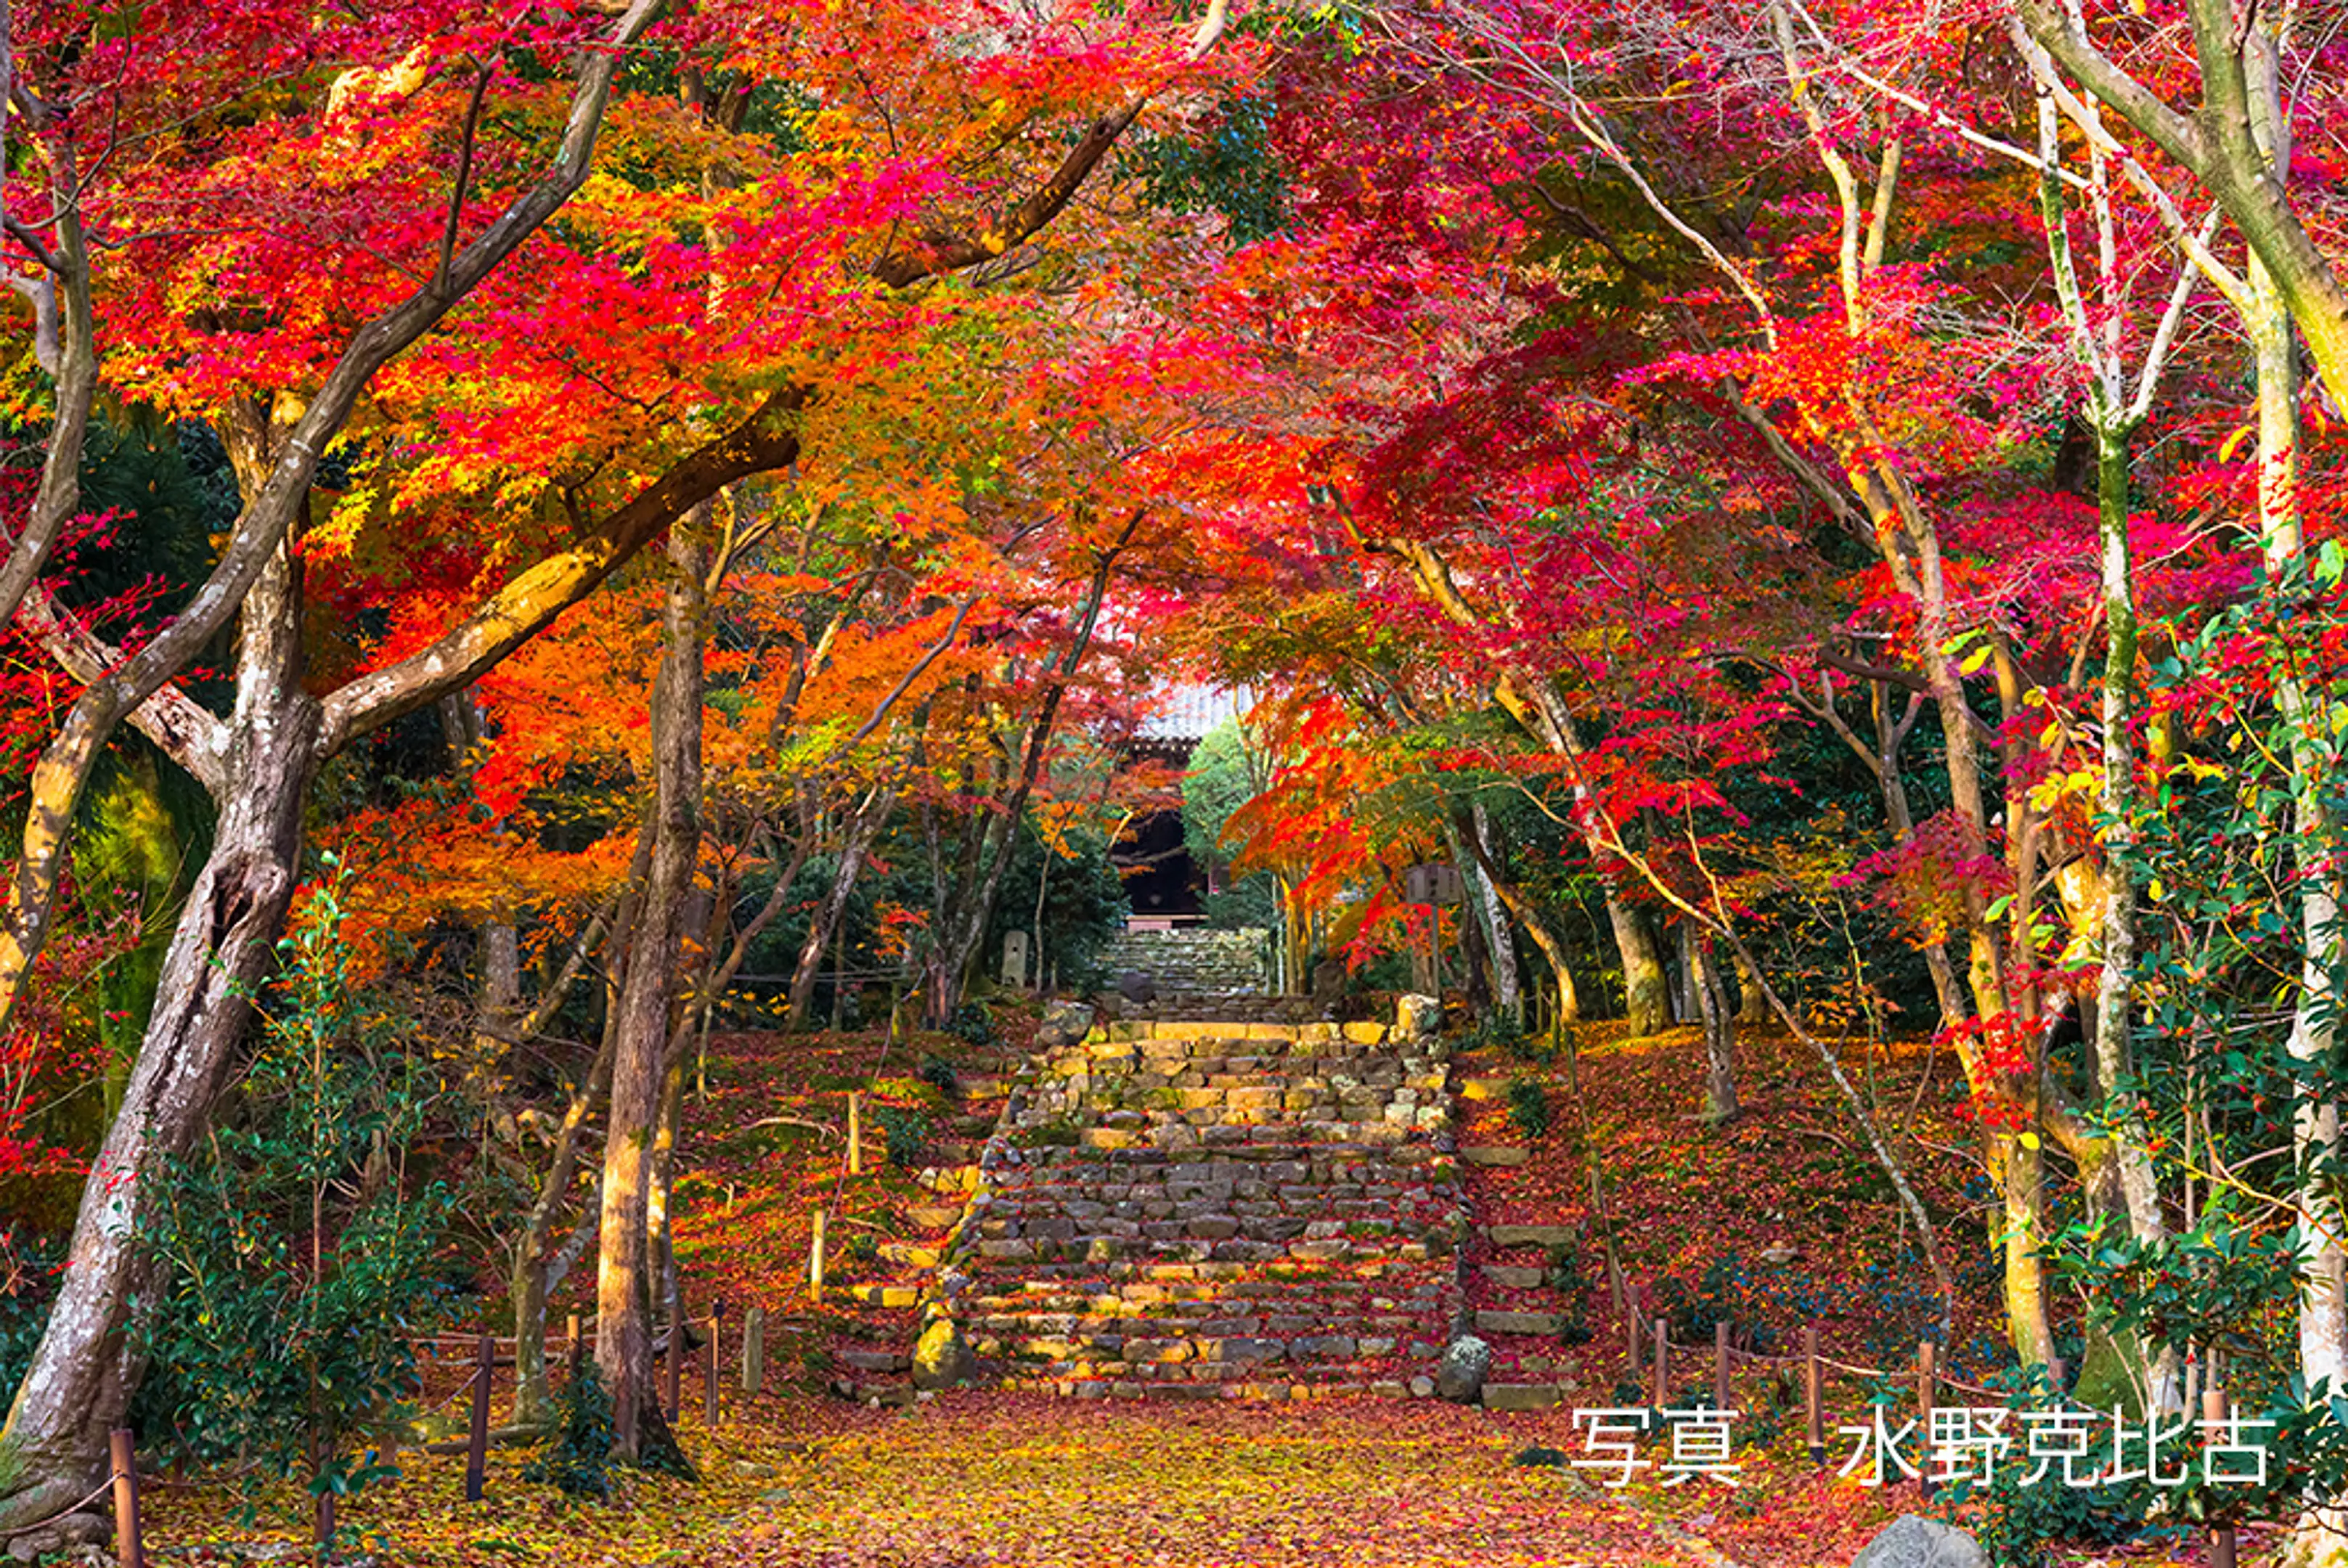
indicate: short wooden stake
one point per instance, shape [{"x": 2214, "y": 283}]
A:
[
  {"x": 1926, "y": 1388},
  {"x": 855, "y": 1134},
  {"x": 577, "y": 1346},
  {"x": 2221, "y": 1537},
  {"x": 815, "y": 1256},
  {"x": 477, "y": 1445},
  {"x": 1660, "y": 1387},
  {"x": 1813, "y": 1395},
  {"x": 1631, "y": 1320},
  {"x": 709, "y": 1394},
  {"x": 128, "y": 1550},
  {"x": 673, "y": 1369},
  {"x": 754, "y": 1349},
  {"x": 1720, "y": 1400}
]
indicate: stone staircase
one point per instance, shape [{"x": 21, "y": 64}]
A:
[
  {"x": 1193, "y": 1209},
  {"x": 1192, "y": 963}
]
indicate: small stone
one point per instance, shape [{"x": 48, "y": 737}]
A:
[
  {"x": 1422, "y": 1388},
  {"x": 1064, "y": 1024},
  {"x": 1542, "y": 1323},
  {"x": 1459, "y": 1377},
  {"x": 1911, "y": 1540},
  {"x": 1496, "y": 1154}
]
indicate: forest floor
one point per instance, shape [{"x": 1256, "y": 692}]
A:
[{"x": 1776, "y": 1219}]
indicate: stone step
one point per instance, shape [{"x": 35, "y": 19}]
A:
[
  {"x": 1226, "y": 1206},
  {"x": 1244, "y": 1367},
  {"x": 1275, "y": 1144},
  {"x": 1024, "y": 1250},
  {"x": 1287, "y": 1385}
]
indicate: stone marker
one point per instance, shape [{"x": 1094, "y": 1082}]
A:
[
  {"x": 1459, "y": 1377},
  {"x": 1015, "y": 959},
  {"x": 941, "y": 1357},
  {"x": 1418, "y": 1016}
]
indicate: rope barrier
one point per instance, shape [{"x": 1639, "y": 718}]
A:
[{"x": 1940, "y": 1381}]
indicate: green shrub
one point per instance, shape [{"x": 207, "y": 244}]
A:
[
  {"x": 973, "y": 1025},
  {"x": 293, "y": 1263},
  {"x": 906, "y": 1134},
  {"x": 578, "y": 1458},
  {"x": 1529, "y": 1108},
  {"x": 938, "y": 1074}
]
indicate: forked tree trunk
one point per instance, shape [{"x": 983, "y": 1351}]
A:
[
  {"x": 863, "y": 828},
  {"x": 78, "y": 1384}
]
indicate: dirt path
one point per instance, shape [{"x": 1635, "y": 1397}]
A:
[{"x": 1002, "y": 1481}]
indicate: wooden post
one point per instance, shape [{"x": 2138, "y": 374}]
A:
[
  {"x": 815, "y": 1257},
  {"x": 578, "y": 1347},
  {"x": 1813, "y": 1400},
  {"x": 1926, "y": 1387},
  {"x": 754, "y": 1349},
  {"x": 128, "y": 1550},
  {"x": 1720, "y": 1400},
  {"x": 322, "y": 1525},
  {"x": 1615, "y": 1292},
  {"x": 673, "y": 1369},
  {"x": 1660, "y": 1387},
  {"x": 1633, "y": 1327},
  {"x": 709, "y": 1394},
  {"x": 855, "y": 1134},
  {"x": 2221, "y": 1537},
  {"x": 476, "y": 1446}
]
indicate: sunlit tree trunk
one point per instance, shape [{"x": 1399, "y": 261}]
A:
[
  {"x": 640, "y": 1064},
  {"x": 2314, "y": 1028}
]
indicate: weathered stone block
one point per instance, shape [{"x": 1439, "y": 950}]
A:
[{"x": 1519, "y": 1396}]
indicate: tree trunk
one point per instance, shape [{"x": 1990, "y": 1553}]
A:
[
  {"x": 1499, "y": 943},
  {"x": 1720, "y": 1106},
  {"x": 2314, "y": 1028},
  {"x": 639, "y": 1065},
  {"x": 532, "y": 1267},
  {"x": 2022, "y": 1183},
  {"x": 863, "y": 828},
  {"x": 1646, "y": 989},
  {"x": 79, "y": 1382}
]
